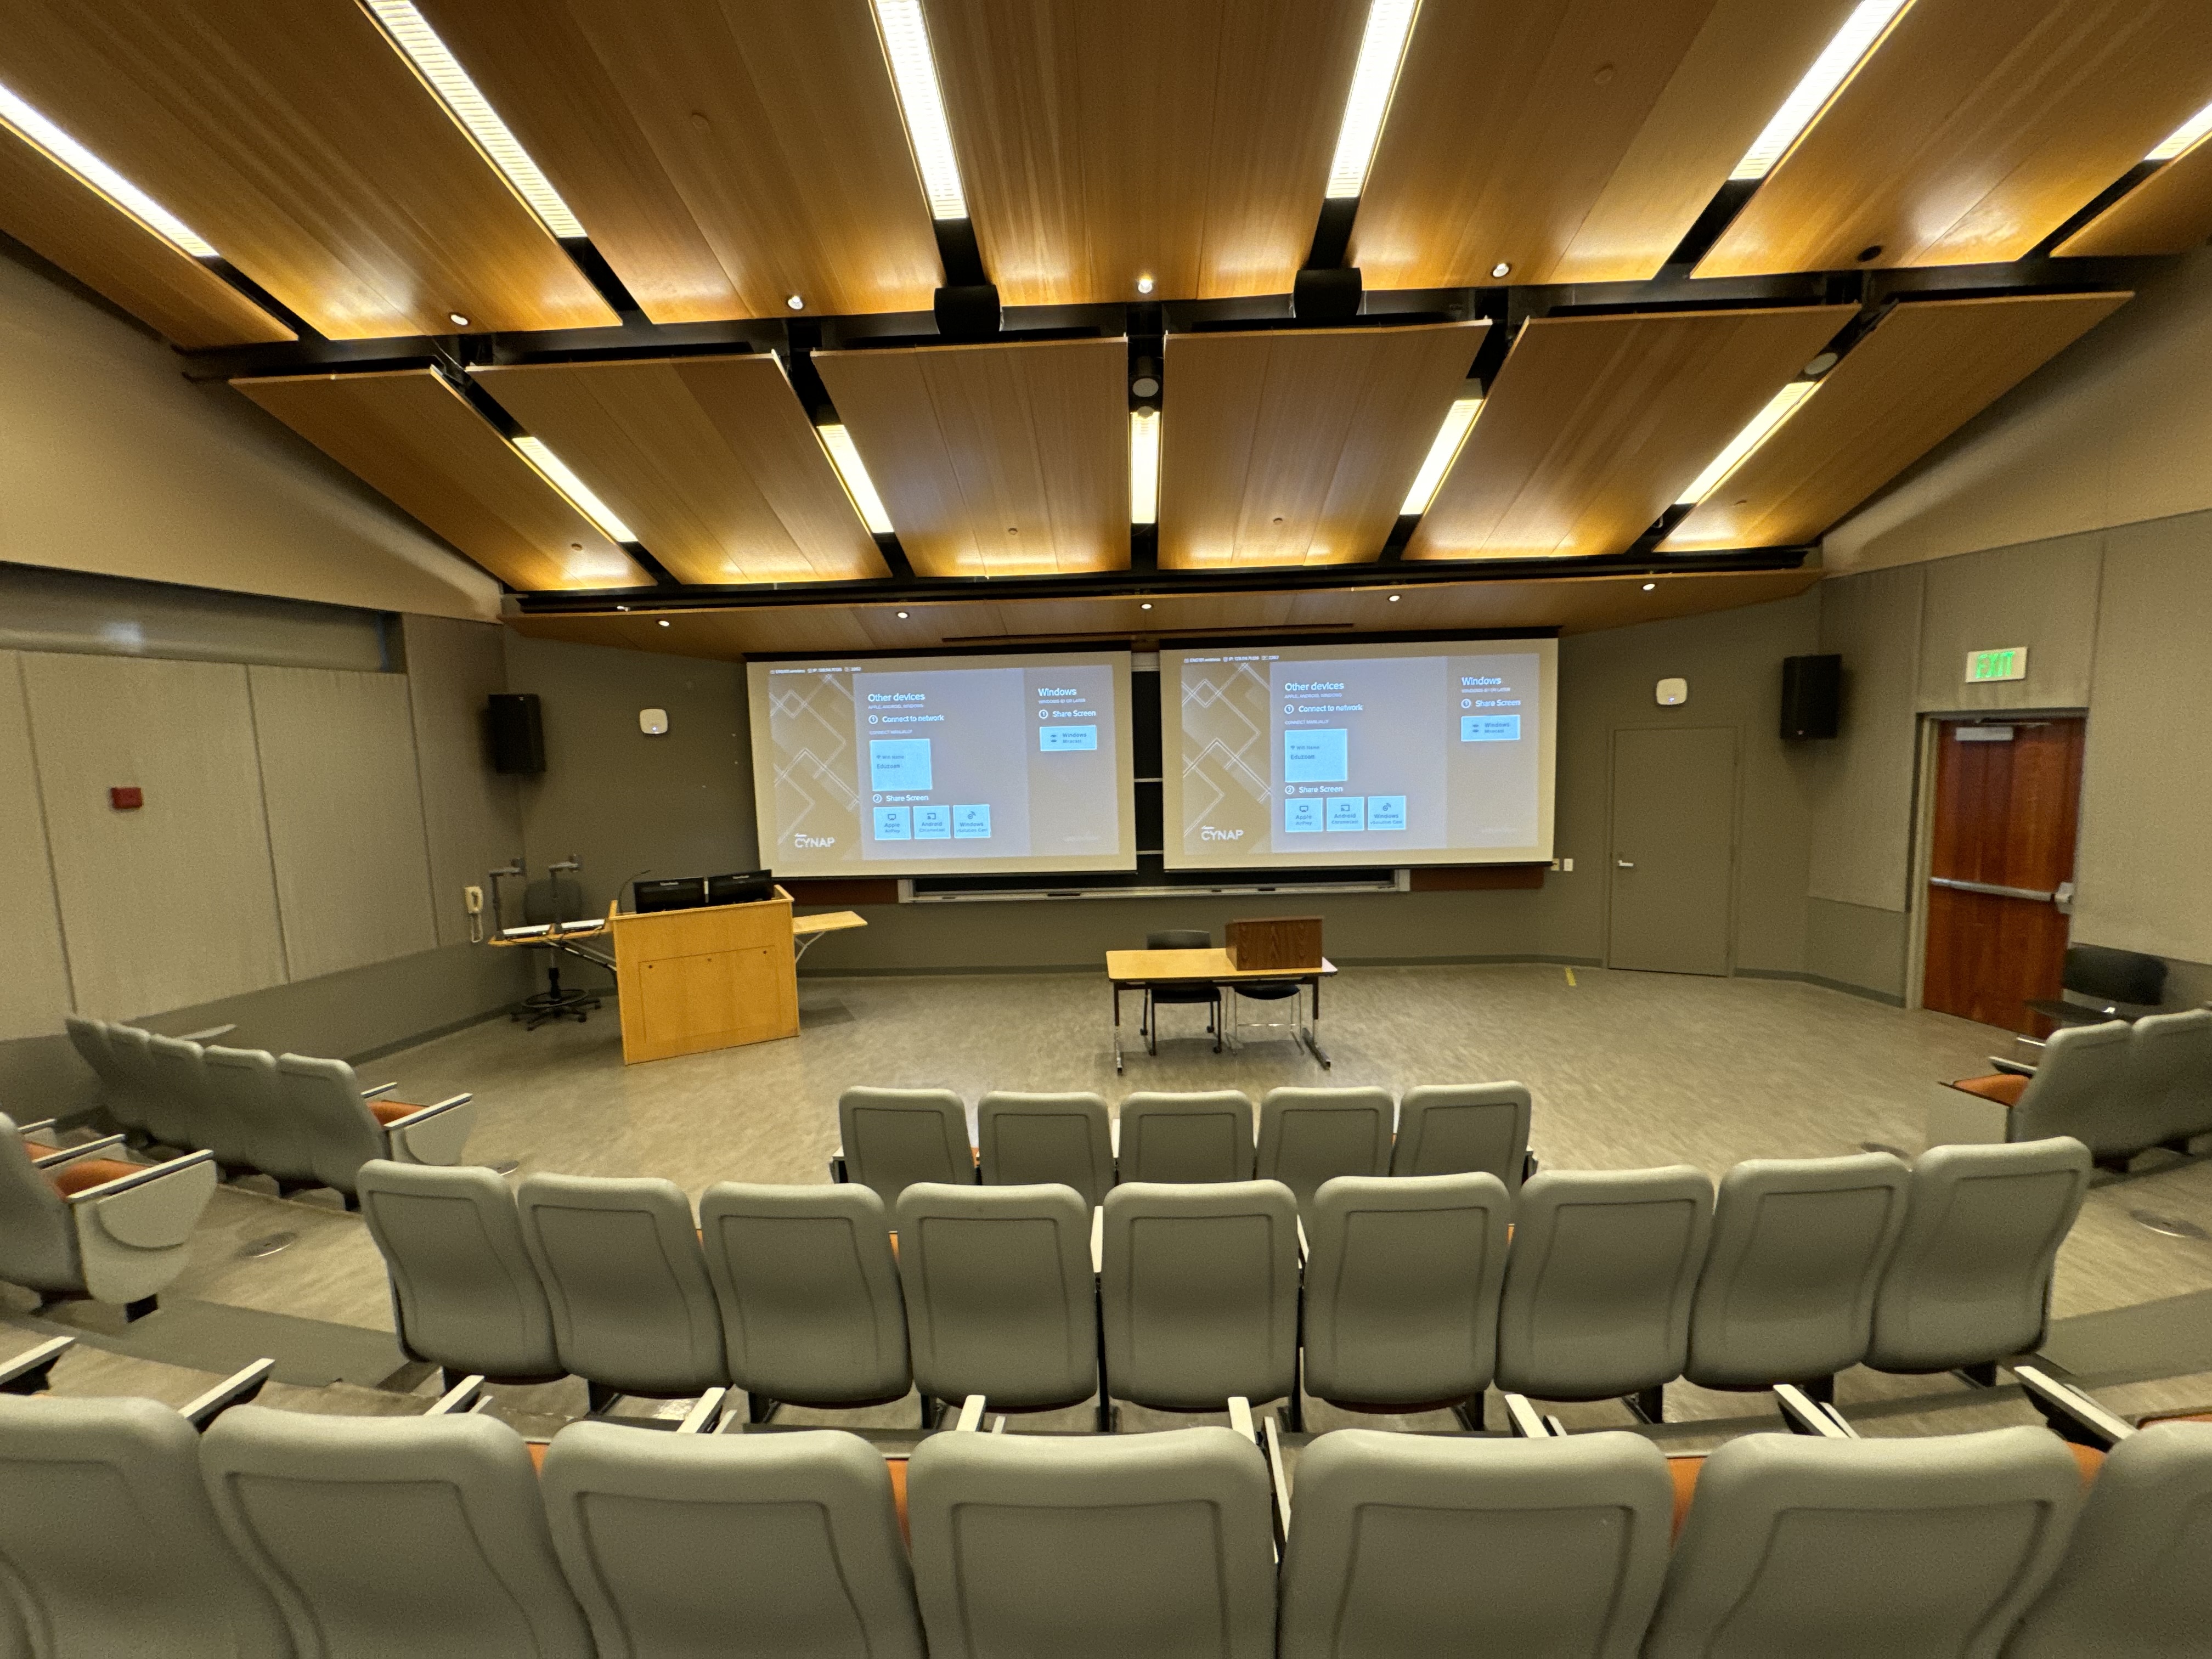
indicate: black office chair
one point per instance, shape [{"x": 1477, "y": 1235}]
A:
[
  {"x": 1267, "y": 990},
  {"x": 2122, "y": 984},
  {"x": 556, "y": 899},
  {"x": 1180, "y": 938}
]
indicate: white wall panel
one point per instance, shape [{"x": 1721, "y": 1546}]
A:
[
  {"x": 345, "y": 816},
  {"x": 34, "y": 992},
  {"x": 173, "y": 903}
]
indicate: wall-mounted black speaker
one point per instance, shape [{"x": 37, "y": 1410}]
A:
[
  {"x": 1812, "y": 695},
  {"x": 517, "y": 731},
  {"x": 1326, "y": 296}
]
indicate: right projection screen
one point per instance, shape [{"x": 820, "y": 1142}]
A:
[{"x": 1371, "y": 755}]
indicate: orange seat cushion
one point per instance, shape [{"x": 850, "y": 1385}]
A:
[
  {"x": 897, "y": 1468},
  {"x": 88, "y": 1172},
  {"x": 537, "y": 1455},
  {"x": 2090, "y": 1459},
  {"x": 1685, "y": 1470},
  {"x": 2178, "y": 1416},
  {"x": 2004, "y": 1087},
  {"x": 389, "y": 1111}
]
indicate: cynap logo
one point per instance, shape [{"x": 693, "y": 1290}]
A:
[
  {"x": 813, "y": 841},
  {"x": 1209, "y": 833}
]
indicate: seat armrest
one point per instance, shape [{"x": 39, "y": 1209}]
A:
[
  {"x": 1240, "y": 1417},
  {"x": 421, "y": 1113},
  {"x": 235, "y": 1389},
  {"x": 1098, "y": 1240},
  {"x": 971, "y": 1415},
  {"x": 380, "y": 1089},
  {"x": 145, "y": 1177},
  {"x": 1522, "y": 1416},
  {"x": 2012, "y": 1068},
  {"x": 66, "y": 1153},
  {"x": 1806, "y": 1415},
  {"x": 2071, "y": 1414},
  {"x": 1305, "y": 1249},
  {"x": 464, "y": 1395},
  {"x": 706, "y": 1412},
  {"x": 27, "y": 1130},
  {"x": 208, "y": 1034},
  {"x": 32, "y": 1370},
  {"x": 839, "y": 1173}
]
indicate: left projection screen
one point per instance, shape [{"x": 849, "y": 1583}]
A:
[{"x": 915, "y": 766}]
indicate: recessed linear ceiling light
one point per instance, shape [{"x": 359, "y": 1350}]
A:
[
  {"x": 556, "y": 471},
  {"x": 1459, "y": 421},
  {"x": 858, "y": 484},
  {"x": 1861, "y": 33},
  {"x": 2183, "y": 135},
  {"x": 440, "y": 70},
  {"x": 1145, "y": 466},
  {"x": 1374, "y": 78},
  {"x": 65, "y": 152},
  {"x": 914, "y": 69},
  {"x": 1756, "y": 431}
]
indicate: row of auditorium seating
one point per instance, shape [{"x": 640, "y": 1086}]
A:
[
  {"x": 276, "y": 1535},
  {"x": 77, "y": 1223},
  {"x": 304, "y": 1122},
  {"x": 2119, "y": 1089},
  {"x": 1408, "y": 1298},
  {"x": 893, "y": 1137}
]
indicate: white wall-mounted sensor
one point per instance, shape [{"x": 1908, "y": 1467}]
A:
[
  {"x": 653, "y": 722},
  {"x": 1671, "y": 692}
]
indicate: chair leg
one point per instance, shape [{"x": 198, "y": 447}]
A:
[
  {"x": 600, "y": 1396},
  {"x": 1821, "y": 1390},
  {"x": 134, "y": 1311},
  {"x": 1983, "y": 1375},
  {"x": 1650, "y": 1404},
  {"x": 759, "y": 1408},
  {"x": 1473, "y": 1414}
]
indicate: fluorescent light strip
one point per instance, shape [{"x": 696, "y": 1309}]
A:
[
  {"x": 1459, "y": 421},
  {"x": 1144, "y": 467},
  {"x": 556, "y": 471},
  {"x": 913, "y": 68},
  {"x": 1756, "y": 431},
  {"x": 67, "y": 153},
  {"x": 420, "y": 45},
  {"x": 2184, "y": 135},
  {"x": 858, "y": 484},
  {"x": 1382, "y": 50},
  {"x": 1861, "y": 33}
]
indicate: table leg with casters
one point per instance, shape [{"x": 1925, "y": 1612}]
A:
[{"x": 1313, "y": 1035}]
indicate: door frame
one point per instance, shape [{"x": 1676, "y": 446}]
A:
[
  {"x": 1931, "y": 726},
  {"x": 1736, "y": 826}
]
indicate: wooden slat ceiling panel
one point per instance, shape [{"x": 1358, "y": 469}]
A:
[
  {"x": 1919, "y": 374},
  {"x": 2170, "y": 212},
  {"x": 994, "y": 460},
  {"x": 1596, "y": 424},
  {"x": 722, "y": 156},
  {"x": 1297, "y": 446},
  {"x": 1975, "y": 128},
  {"x": 1187, "y": 141},
  {"x": 1576, "y": 143},
  {"x": 412, "y": 436},
  {"x": 290, "y": 135},
  {"x": 1575, "y": 605},
  {"x": 710, "y": 460}
]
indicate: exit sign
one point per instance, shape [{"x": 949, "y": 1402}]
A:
[{"x": 2006, "y": 663}]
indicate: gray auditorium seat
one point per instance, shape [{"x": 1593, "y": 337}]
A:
[
  {"x": 809, "y": 1291},
  {"x": 2168, "y": 1078},
  {"x": 346, "y": 1131},
  {"x": 1402, "y": 1278},
  {"x": 1308, "y": 1136},
  {"x": 1924, "y": 1548},
  {"x": 742, "y": 1546},
  {"x": 246, "y": 1084},
  {"x": 168, "y": 1117},
  {"x": 896, "y": 1136},
  {"x": 1970, "y": 1280},
  {"x": 620, "y": 1260},
  {"x": 466, "y": 1295},
  {"x": 2135, "y": 1581},
  {"x": 1023, "y": 1139},
  {"x": 1454, "y": 1129},
  {"x": 180, "y": 1069},
  {"x": 1157, "y": 1544},
  {"x": 1599, "y": 1282},
  {"x": 108, "y": 1549},
  {"x": 97, "y": 1227},
  {"x": 1415, "y": 1544},
  {"x": 2069, "y": 1092},
  {"x": 1000, "y": 1298},
  {"x": 1201, "y": 1293},
  {"x": 376, "y": 1537},
  {"x": 1798, "y": 1246},
  {"x": 1205, "y": 1136},
  {"x": 118, "y": 1098}
]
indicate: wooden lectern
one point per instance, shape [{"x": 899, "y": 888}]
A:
[{"x": 709, "y": 978}]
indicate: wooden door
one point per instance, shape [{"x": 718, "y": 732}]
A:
[
  {"x": 2000, "y": 864},
  {"x": 1673, "y": 865}
]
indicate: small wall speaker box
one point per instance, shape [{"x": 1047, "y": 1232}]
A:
[
  {"x": 1812, "y": 696},
  {"x": 1326, "y": 296},
  {"x": 517, "y": 731},
  {"x": 967, "y": 311},
  {"x": 1276, "y": 943}
]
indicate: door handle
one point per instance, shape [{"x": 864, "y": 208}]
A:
[
  {"x": 1623, "y": 864},
  {"x": 2033, "y": 895}
]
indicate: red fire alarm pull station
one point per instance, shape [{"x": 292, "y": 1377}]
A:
[{"x": 126, "y": 800}]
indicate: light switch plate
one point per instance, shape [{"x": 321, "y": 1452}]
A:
[
  {"x": 1672, "y": 692},
  {"x": 653, "y": 722}
]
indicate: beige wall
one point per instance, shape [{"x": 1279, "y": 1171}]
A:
[
  {"x": 114, "y": 463},
  {"x": 34, "y": 985},
  {"x": 2114, "y": 430},
  {"x": 473, "y": 815}
]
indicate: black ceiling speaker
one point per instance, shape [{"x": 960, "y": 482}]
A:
[
  {"x": 968, "y": 311},
  {"x": 517, "y": 731},
  {"x": 1326, "y": 296},
  {"x": 1812, "y": 696}
]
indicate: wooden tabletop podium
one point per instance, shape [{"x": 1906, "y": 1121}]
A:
[{"x": 712, "y": 977}]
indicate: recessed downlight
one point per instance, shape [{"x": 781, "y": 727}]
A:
[
  {"x": 1648, "y": 586},
  {"x": 1144, "y": 605},
  {"x": 664, "y": 621},
  {"x": 903, "y": 615},
  {"x": 1503, "y": 268},
  {"x": 1395, "y": 598},
  {"x": 458, "y": 319},
  {"x": 794, "y": 301},
  {"x": 1143, "y": 285}
]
